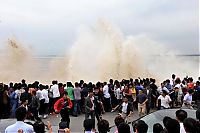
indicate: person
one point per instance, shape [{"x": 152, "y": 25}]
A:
[
  {"x": 41, "y": 98},
  {"x": 20, "y": 116},
  {"x": 62, "y": 106},
  {"x": 39, "y": 127},
  {"x": 124, "y": 128},
  {"x": 34, "y": 105},
  {"x": 77, "y": 99},
  {"x": 89, "y": 105},
  {"x": 157, "y": 128},
  {"x": 103, "y": 126},
  {"x": 118, "y": 120},
  {"x": 190, "y": 125},
  {"x": 13, "y": 102},
  {"x": 46, "y": 102},
  {"x": 187, "y": 100},
  {"x": 141, "y": 99},
  {"x": 89, "y": 125},
  {"x": 126, "y": 108},
  {"x": 55, "y": 91},
  {"x": 140, "y": 127},
  {"x": 70, "y": 90},
  {"x": 172, "y": 126},
  {"x": 107, "y": 102},
  {"x": 181, "y": 115},
  {"x": 164, "y": 99},
  {"x": 97, "y": 103}
]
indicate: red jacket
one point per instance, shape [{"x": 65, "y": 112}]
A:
[{"x": 60, "y": 103}]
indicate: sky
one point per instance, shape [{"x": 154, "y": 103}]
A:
[{"x": 50, "y": 27}]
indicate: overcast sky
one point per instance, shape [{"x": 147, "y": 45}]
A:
[{"x": 50, "y": 26}]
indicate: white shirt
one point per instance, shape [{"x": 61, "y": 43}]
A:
[
  {"x": 182, "y": 129},
  {"x": 45, "y": 94},
  {"x": 105, "y": 91},
  {"x": 188, "y": 98},
  {"x": 165, "y": 101},
  {"x": 180, "y": 92},
  {"x": 19, "y": 125},
  {"x": 124, "y": 107},
  {"x": 118, "y": 93},
  {"x": 55, "y": 90},
  {"x": 39, "y": 95}
]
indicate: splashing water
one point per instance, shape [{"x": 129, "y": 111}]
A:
[{"x": 99, "y": 53}]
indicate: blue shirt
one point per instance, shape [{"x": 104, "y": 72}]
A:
[{"x": 19, "y": 125}]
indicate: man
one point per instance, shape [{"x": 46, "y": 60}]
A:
[
  {"x": 89, "y": 106},
  {"x": 62, "y": 106},
  {"x": 124, "y": 128},
  {"x": 126, "y": 108},
  {"x": 107, "y": 103},
  {"x": 103, "y": 126},
  {"x": 77, "y": 99},
  {"x": 89, "y": 125},
  {"x": 20, "y": 125},
  {"x": 181, "y": 115},
  {"x": 55, "y": 91},
  {"x": 187, "y": 100},
  {"x": 164, "y": 99},
  {"x": 141, "y": 99},
  {"x": 140, "y": 127}
]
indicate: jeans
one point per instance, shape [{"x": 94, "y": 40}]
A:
[{"x": 77, "y": 108}]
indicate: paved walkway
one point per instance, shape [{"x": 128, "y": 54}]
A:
[{"x": 76, "y": 124}]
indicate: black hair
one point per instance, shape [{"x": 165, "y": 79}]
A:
[
  {"x": 165, "y": 119},
  {"x": 141, "y": 127},
  {"x": 88, "y": 124},
  {"x": 20, "y": 113},
  {"x": 39, "y": 127},
  {"x": 173, "y": 126},
  {"x": 65, "y": 93},
  {"x": 181, "y": 115},
  {"x": 103, "y": 126},
  {"x": 118, "y": 120},
  {"x": 54, "y": 82},
  {"x": 76, "y": 84},
  {"x": 124, "y": 128},
  {"x": 190, "y": 91},
  {"x": 157, "y": 128},
  {"x": 190, "y": 125}
]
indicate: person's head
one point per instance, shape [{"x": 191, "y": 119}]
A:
[
  {"x": 190, "y": 125},
  {"x": 118, "y": 120},
  {"x": 89, "y": 124},
  {"x": 125, "y": 99},
  {"x": 190, "y": 91},
  {"x": 20, "y": 114},
  {"x": 140, "y": 91},
  {"x": 124, "y": 128},
  {"x": 172, "y": 126},
  {"x": 23, "y": 81},
  {"x": 76, "y": 84},
  {"x": 54, "y": 82},
  {"x": 198, "y": 114},
  {"x": 96, "y": 90},
  {"x": 157, "y": 128},
  {"x": 24, "y": 101},
  {"x": 103, "y": 126},
  {"x": 34, "y": 93},
  {"x": 181, "y": 115},
  {"x": 111, "y": 81},
  {"x": 173, "y": 76},
  {"x": 65, "y": 95},
  {"x": 164, "y": 93},
  {"x": 165, "y": 119},
  {"x": 141, "y": 127},
  {"x": 39, "y": 127},
  {"x": 90, "y": 93}
]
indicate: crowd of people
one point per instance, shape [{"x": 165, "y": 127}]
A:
[{"x": 93, "y": 100}]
